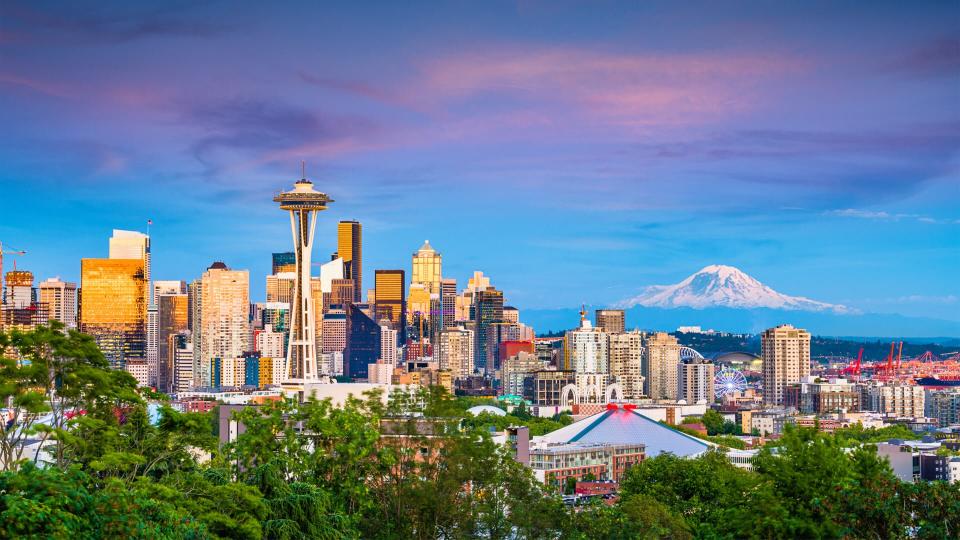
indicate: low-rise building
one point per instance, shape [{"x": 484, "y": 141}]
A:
[
  {"x": 554, "y": 464},
  {"x": 816, "y": 396}
]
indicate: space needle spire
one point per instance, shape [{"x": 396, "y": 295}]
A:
[{"x": 302, "y": 202}]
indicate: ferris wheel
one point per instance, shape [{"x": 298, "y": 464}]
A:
[{"x": 728, "y": 381}]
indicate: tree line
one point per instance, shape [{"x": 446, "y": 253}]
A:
[{"x": 313, "y": 470}]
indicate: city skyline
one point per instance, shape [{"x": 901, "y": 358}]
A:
[{"x": 823, "y": 165}]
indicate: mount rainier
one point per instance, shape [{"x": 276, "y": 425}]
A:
[{"x": 724, "y": 286}]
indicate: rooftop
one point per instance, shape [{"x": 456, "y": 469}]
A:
[{"x": 627, "y": 426}]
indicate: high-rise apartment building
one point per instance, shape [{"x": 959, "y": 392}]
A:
[
  {"x": 388, "y": 346},
  {"x": 611, "y": 321},
  {"x": 661, "y": 358},
  {"x": 626, "y": 363},
  {"x": 223, "y": 320},
  {"x": 350, "y": 249},
  {"x": 391, "y": 302},
  {"x": 785, "y": 352},
  {"x": 270, "y": 343},
  {"x": 695, "y": 379},
  {"x": 114, "y": 307},
  {"x": 487, "y": 309},
  {"x": 61, "y": 300},
  {"x": 427, "y": 268},
  {"x": 588, "y": 348},
  {"x": 455, "y": 351}
]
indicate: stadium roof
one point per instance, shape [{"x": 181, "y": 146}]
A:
[{"x": 627, "y": 426}]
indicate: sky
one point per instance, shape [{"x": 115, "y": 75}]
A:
[{"x": 572, "y": 151}]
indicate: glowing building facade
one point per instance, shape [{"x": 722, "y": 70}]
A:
[
  {"x": 114, "y": 307},
  {"x": 350, "y": 249}
]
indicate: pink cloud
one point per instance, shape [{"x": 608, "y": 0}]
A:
[{"x": 608, "y": 88}]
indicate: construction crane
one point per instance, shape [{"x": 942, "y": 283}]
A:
[{"x": 9, "y": 251}]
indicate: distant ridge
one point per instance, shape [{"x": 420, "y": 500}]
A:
[{"x": 724, "y": 286}]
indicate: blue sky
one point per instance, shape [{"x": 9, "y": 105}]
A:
[{"x": 575, "y": 152}]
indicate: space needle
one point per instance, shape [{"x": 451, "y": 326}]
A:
[{"x": 303, "y": 202}]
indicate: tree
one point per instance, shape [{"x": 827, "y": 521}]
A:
[
  {"x": 713, "y": 421},
  {"x": 50, "y": 377},
  {"x": 49, "y": 503}
]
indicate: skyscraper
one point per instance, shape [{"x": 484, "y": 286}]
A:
[
  {"x": 661, "y": 358},
  {"x": 611, "y": 321},
  {"x": 303, "y": 203},
  {"x": 350, "y": 249},
  {"x": 61, "y": 300},
  {"x": 280, "y": 287},
  {"x": 426, "y": 268},
  {"x": 114, "y": 307},
  {"x": 626, "y": 362},
  {"x": 363, "y": 343},
  {"x": 448, "y": 302},
  {"x": 283, "y": 262},
  {"x": 388, "y": 346},
  {"x": 488, "y": 309},
  {"x": 223, "y": 321},
  {"x": 171, "y": 320},
  {"x": 785, "y": 352},
  {"x": 391, "y": 302},
  {"x": 133, "y": 245},
  {"x": 418, "y": 306}
]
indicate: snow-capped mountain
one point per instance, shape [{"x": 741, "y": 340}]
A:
[{"x": 724, "y": 286}]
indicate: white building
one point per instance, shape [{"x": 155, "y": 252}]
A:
[{"x": 388, "y": 346}]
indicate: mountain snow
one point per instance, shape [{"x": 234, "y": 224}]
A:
[{"x": 723, "y": 286}]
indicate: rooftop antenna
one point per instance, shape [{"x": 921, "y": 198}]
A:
[{"x": 303, "y": 169}]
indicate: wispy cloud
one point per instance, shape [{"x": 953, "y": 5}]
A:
[
  {"x": 887, "y": 216},
  {"x": 263, "y": 128}
]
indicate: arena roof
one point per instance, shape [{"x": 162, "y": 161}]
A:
[{"x": 627, "y": 426}]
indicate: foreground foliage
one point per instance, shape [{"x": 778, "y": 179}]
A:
[{"x": 313, "y": 470}]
